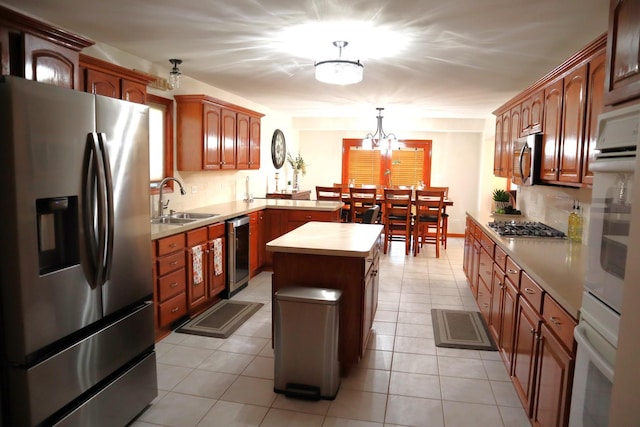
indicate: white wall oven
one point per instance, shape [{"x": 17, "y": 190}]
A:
[{"x": 610, "y": 217}]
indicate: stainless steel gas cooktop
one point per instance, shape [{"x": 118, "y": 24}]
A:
[{"x": 525, "y": 229}]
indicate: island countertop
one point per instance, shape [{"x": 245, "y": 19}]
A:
[{"x": 329, "y": 238}]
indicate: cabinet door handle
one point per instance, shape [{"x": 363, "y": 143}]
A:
[
  {"x": 172, "y": 263},
  {"x": 485, "y": 305},
  {"x": 530, "y": 291},
  {"x": 511, "y": 271},
  {"x": 172, "y": 245},
  {"x": 174, "y": 309},
  {"x": 533, "y": 331},
  {"x": 173, "y": 285},
  {"x": 555, "y": 321}
]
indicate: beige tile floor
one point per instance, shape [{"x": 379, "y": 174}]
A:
[{"x": 403, "y": 380}]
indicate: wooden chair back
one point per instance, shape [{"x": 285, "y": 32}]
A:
[
  {"x": 397, "y": 215},
  {"x": 429, "y": 204},
  {"x": 328, "y": 193}
]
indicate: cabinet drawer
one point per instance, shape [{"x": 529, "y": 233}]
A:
[
  {"x": 477, "y": 232},
  {"x": 487, "y": 243},
  {"x": 513, "y": 272},
  {"x": 531, "y": 291},
  {"x": 171, "y": 285},
  {"x": 169, "y": 244},
  {"x": 295, "y": 215},
  {"x": 216, "y": 230},
  {"x": 196, "y": 237},
  {"x": 170, "y": 263},
  {"x": 485, "y": 270},
  {"x": 559, "y": 321},
  {"x": 484, "y": 300},
  {"x": 500, "y": 258},
  {"x": 173, "y": 309}
]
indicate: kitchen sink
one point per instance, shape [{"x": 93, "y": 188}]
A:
[
  {"x": 171, "y": 220},
  {"x": 191, "y": 215}
]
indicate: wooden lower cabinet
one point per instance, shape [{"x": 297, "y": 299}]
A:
[
  {"x": 534, "y": 334},
  {"x": 196, "y": 267},
  {"x": 554, "y": 378},
  {"x": 169, "y": 282},
  {"x": 216, "y": 260}
]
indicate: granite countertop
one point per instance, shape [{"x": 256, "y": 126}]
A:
[
  {"x": 329, "y": 238},
  {"x": 236, "y": 208},
  {"x": 558, "y": 265}
]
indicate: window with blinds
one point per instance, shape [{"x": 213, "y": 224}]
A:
[
  {"x": 364, "y": 166},
  {"x": 407, "y": 166}
]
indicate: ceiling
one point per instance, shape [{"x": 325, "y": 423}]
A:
[{"x": 429, "y": 58}]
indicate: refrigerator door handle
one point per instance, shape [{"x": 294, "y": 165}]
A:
[
  {"x": 93, "y": 206},
  {"x": 109, "y": 209}
]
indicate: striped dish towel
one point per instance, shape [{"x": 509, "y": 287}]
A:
[
  {"x": 217, "y": 256},
  {"x": 197, "y": 264}
]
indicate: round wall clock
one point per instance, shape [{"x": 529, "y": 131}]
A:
[{"x": 278, "y": 148}]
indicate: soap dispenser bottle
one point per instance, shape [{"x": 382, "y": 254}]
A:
[
  {"x": 577, "y": 230},
  {"x": 573, "y": 217}
]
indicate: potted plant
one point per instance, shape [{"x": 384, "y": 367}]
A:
[
  {"x": 299, "y": 167},
  {"x": 502, "y": 199}
]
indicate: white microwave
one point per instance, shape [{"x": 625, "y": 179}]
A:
[{"x": 527, "y": 155}]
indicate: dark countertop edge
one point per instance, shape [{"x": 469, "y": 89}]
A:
[
  {"x": 544, "y": 280},
  {"x": 239, "y": 208}
]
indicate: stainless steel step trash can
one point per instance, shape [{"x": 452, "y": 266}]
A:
[{"x": 306, "y": 342}]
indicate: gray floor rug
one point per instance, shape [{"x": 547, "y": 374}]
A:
[
  {"x": 221, "y": 320},
  {"x": 461, "y": 329}
]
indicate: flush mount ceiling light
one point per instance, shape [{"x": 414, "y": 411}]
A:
[
  {"x": 339, "y": 71},
  {"x": 380, "y": 139},
  {"x": 175, "y": 75}
]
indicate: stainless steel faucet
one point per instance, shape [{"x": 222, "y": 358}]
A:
[{"x": 163, "y": 206}]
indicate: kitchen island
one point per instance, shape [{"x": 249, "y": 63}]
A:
[{"x": 343, "y": 256}]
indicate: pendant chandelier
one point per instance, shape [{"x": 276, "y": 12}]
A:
[
  {"x": 339, "y": 71},
  {"x": 175, "y": 75},
  {"x": 380, "y": 139}
]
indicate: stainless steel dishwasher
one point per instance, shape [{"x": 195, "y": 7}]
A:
[{"x": 237, "y": 255}]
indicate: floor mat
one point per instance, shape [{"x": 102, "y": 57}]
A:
[
  {"x": 461, "y": 329},
  {"x": 221, "y": 320}
]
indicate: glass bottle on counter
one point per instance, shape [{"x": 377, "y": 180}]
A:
[{"x": 573, "y": 217}]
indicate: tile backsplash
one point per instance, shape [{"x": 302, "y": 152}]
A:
[{"x": 552, "y": 205}]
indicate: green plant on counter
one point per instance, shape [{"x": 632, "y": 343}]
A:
[{"x": 501, "y": 195}]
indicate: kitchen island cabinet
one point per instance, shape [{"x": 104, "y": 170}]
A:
[{"x": 343, "y": 256}]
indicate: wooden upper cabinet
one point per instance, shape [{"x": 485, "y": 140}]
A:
[
  {"x": 531, "y": 114},
  {"x": 211, "y": 128},
  {"x": 595, "y": 106},
  {"x": 255, "y": 127},
  {"x": 248, "y": 142},
  {"x": 228, "y": 139},
  {"x": 243, "y": 131},
  {"x": 623, "y": 52},
  {"x": 552, "y": 121},
  {"x": 507, "y": 147},
  {"x": 572, "y": 135},
  {"x": 100, "y": 83},
  {"x": 497, "y": 152},
  {"x": 502, "y": 145},
  {"x": 103, "y": 78},
  {"x": 212, "y": 134},
  {"x": 38, "y": 51}
]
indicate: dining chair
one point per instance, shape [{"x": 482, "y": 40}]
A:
[
  {"x": 332, "y": 194},
  {"x": 445, "y": 216},
  {"x": 361, "y": 199},
  {"x": 370, "y": 216},
  {"x": 397, "y": 216},
  {"x": 427, "y": 226}
]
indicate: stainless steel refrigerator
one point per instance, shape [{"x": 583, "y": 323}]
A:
[{"x": 77, "y": 328}]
